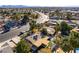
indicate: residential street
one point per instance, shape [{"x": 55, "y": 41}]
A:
[{"x": 12, "y": 33}]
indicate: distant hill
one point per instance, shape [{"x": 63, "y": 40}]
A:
[
  {"x": 18, "y": 6},
  {"x": 13, "y": 6},
  {"x": 23, "y": 6}
]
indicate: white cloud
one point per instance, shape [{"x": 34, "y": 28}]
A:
[{"x": 41, "y": 2}]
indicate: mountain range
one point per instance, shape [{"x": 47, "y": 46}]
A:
[
  {"x": 13, "y": 6},
  {"x": 24, "y": 6}
]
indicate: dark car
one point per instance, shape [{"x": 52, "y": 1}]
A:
[{"x": 21, "y": 33}]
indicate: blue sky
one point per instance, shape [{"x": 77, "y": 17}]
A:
[{"x": 40, "y": 2}]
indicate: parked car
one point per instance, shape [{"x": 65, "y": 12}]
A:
[{"x": 21, "y": 33}]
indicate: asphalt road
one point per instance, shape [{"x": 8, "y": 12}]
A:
[
  {"x": 12, "y": 33},
  {"x": 43, "y": 18}
]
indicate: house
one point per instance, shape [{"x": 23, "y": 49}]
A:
[
  {"x": 57, "y": 49},
  {"x": 41, "y": 41},
  {"x": 8, "y": 46},
  {"x": 75, "y": 30},
  {"x": 12, "y": 42},
  {"x": 1, "y": 24},
  {"x": 38, "y": 44},
  {"x": 50, "y": 30},
  {"x": 45, "y": 50},
  {"x": 5, "y": 48},
  {"x": 36, "y": 49}
]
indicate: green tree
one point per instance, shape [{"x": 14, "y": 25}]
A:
[
  {"x": 69, "y": 16},
  {"x": 25, "y": 19},
  {"x": 57, "y": 28},
  {"x": 74, "y": 39},
  {"x": 70, "y": 42},
  {"x": 34, "y": 16},
  {"x": 16, "y": 16},
  {"x": 44, "y": 31},
  {"x": 33, "y": 25},
  {"x": 57, "y": 14},
  {"x": 65, "y": 28},
  {"x": 22, "y": 47},
  {"x": 65, "y": 45}
]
